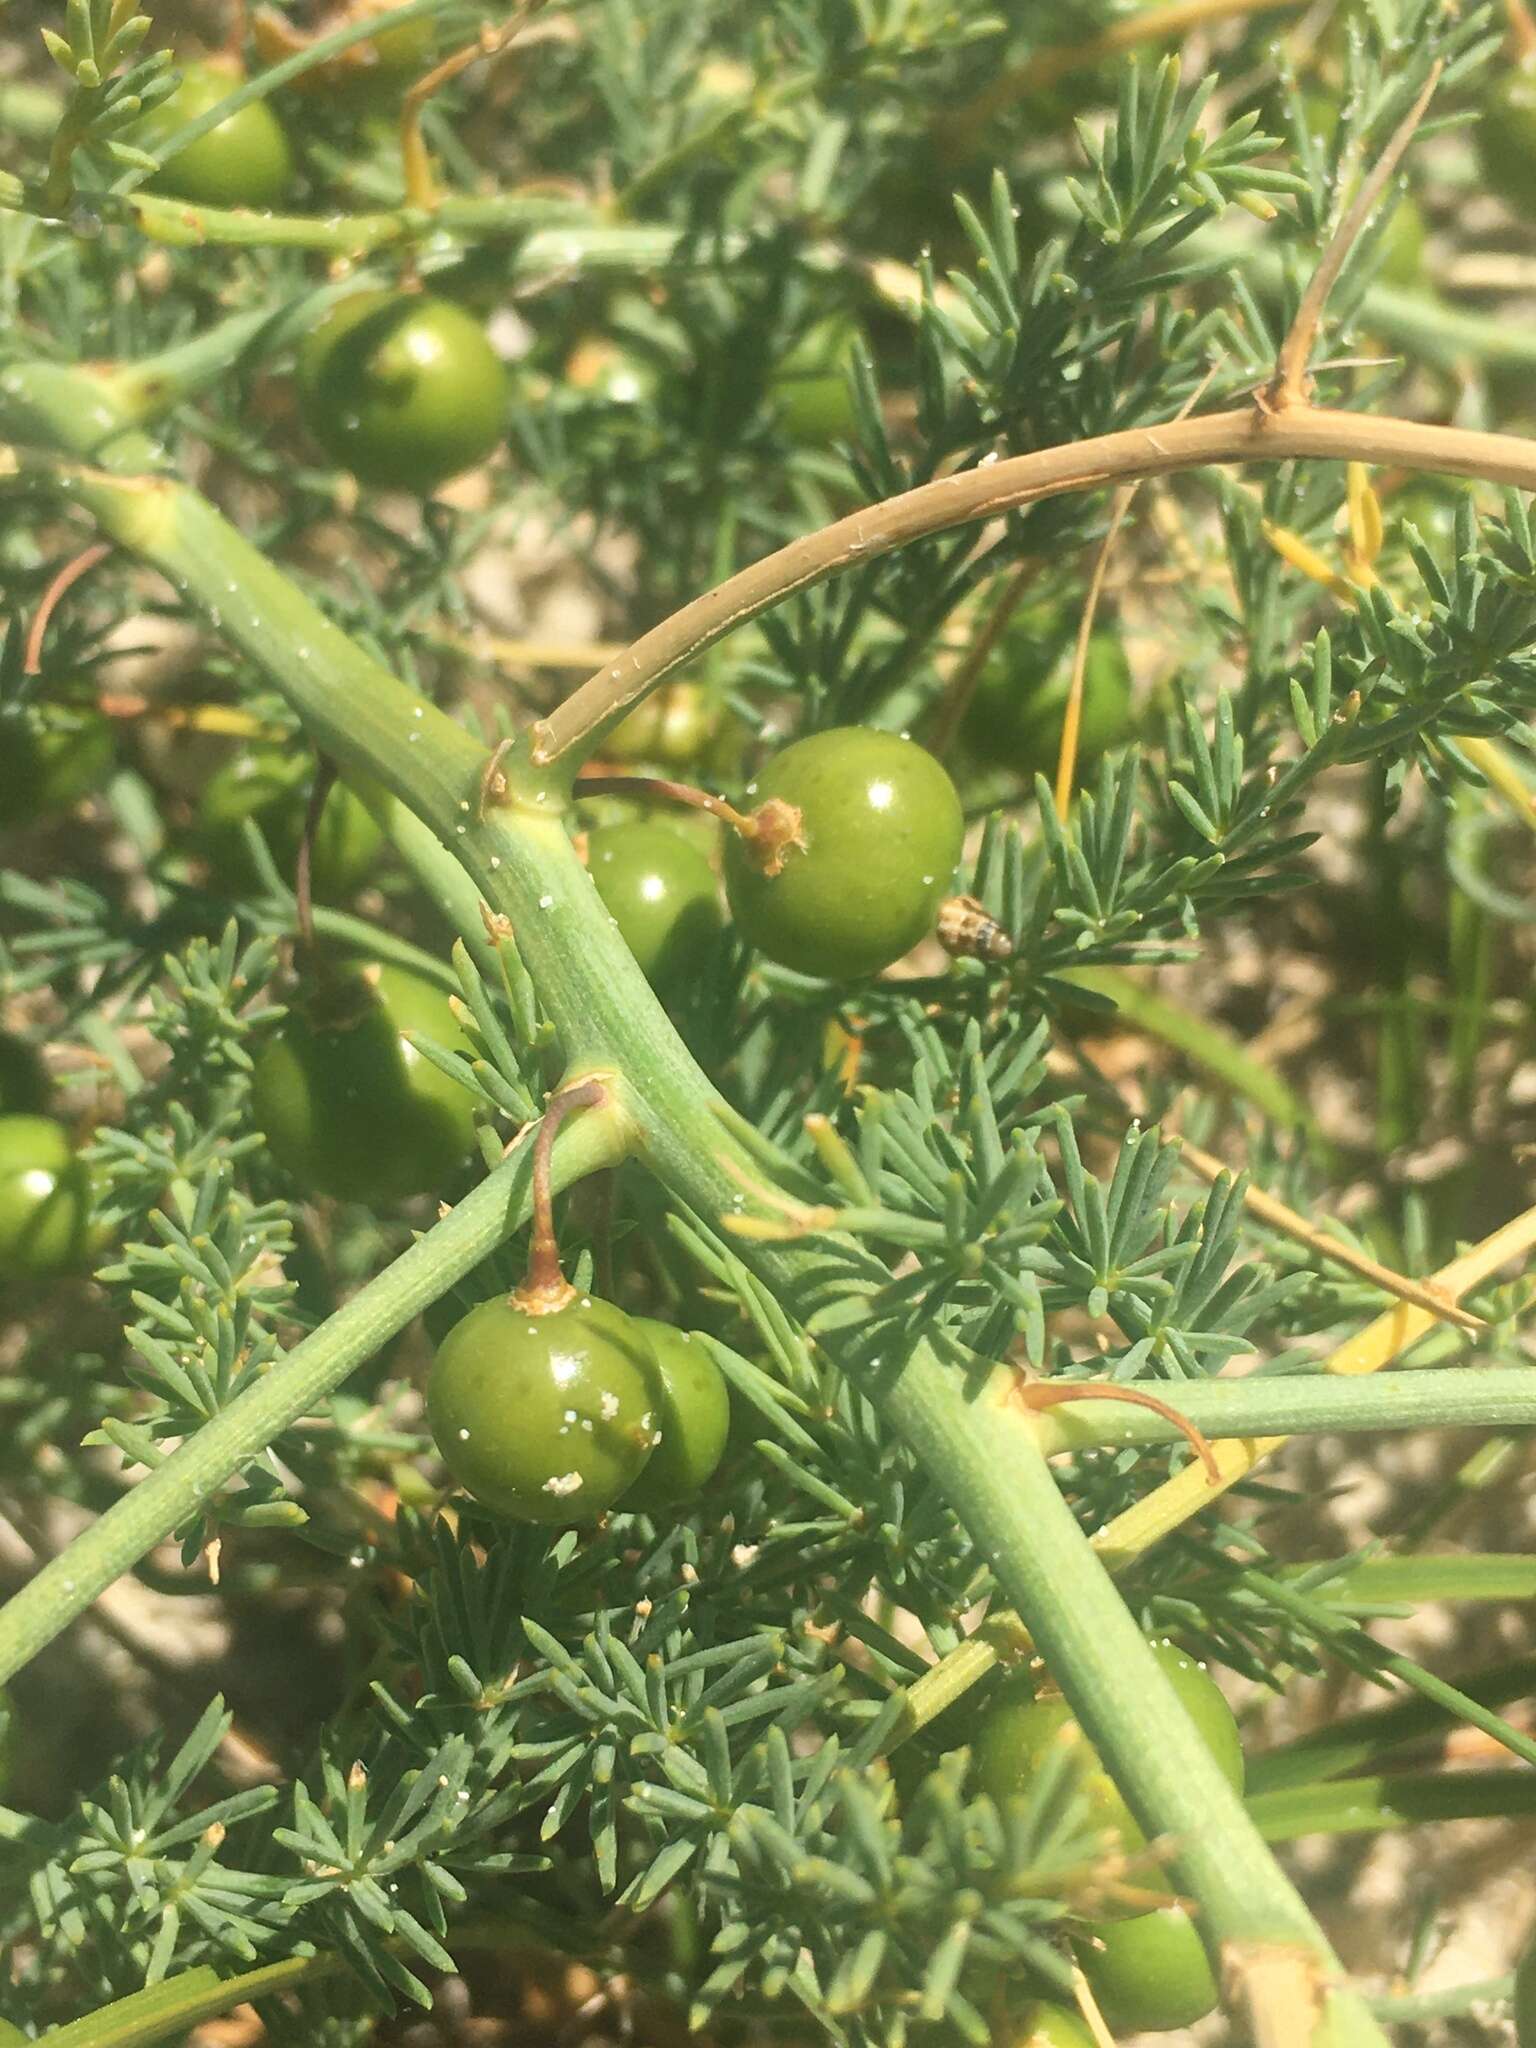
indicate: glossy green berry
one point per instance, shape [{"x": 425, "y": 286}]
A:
[
  {"x": 1402, "y": 244},
  {"x": 545, "y": 1417},
  {"x": 349, "y": 1107},
  {"x": 51, "y": 755},
  {"x": 661, "y": 893},
  {"x": 609, "y": 373},
  {"x": 811, "y": 390},
  {"x": 1020, "y": 705},
  {"x": 1525, "y": 1999},
  {"x": 364, "y": 78},
  {"x": 403, "y": 389},
  {"x": 693, "y": 1420},
  {"x": 1044, "y": 2025},
  {"x": 1018, "y": 1735},
  {"x": 880, "y": 831},
  {"x": 45, "y": 1198},
  {"x": 1506, "y": 135},
  {"x": 269, "y": 787},
  {"x": 1149, "y": 1974},
  {"x": 671, "y": 728},
  {"x": 24, "y": 1086},
  {"x": 244, "y": 161}
]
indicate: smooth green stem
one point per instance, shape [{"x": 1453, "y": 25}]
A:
[
  {"x": 144, "y": 391},
  {"x": 1436, "y": 2005},
  {"x": 1358, "y": 1738},
  {"x": 1420, "y": 1581},
  {"x": 987, "y": 1463},
  {"x": 175, "y": 1491},
  {"x": 1370, "y": 1805},
  {"x": 1304, "y": 1405},
  {"x": 559, "y": 230}
]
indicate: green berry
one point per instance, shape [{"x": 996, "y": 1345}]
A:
[
  {"x": 10, "y": 1756},
  {"x": 671, "y": 728},
  {"x": 880, "y": 830},
  {"x": 24, "y": 1086},
  {"x": 661, "y": 893},
  {"x": 349, "y": 1107},
  {"x": 1018, "y": 1735},
  {"x": 244, "y": 161},
  {"x": 1044, "y": 2025},
  {"x": 1149, "y": 1974},
  {"x": 1525, "y": 1999},
  {"x": 693, "y": 1421},
  {"x": 402, "y": 389},
  {"x": 269, "y": 786},
  {"x": 1506, "y": 135},
  {"x": 50, "y": 757},
  {"x": 811, "y": 389},
  {"x": 45, "y": 1198},
  {"x": 1020, "y": 705},
  {"x": 545, "y": 1417}
]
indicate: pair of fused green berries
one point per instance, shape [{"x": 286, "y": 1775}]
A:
[
  {"x": 878, "y": 834},
  {"x": 1148, "y": 1971},
  {"x": 561, "y": 1415}
]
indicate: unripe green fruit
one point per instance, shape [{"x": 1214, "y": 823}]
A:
[
  {"x": 811, "y": 388},
  {"x": 1018, "y": 1736},
  {"x": 1506, "y": 135},
  {"x": 45, "y": 1198},
  {"x": 1525, "y": 1999},
  {"x": 672, "y": 727},
  {"x": 50, "y": 757},
  {"x": 661, "y": 893},
  {"x": 545, "y": 1417},
  {"x": 24, "y": 1086},
  {"x": 1020, "y": 705},
  {"x": 402, "y": 389},
  {"x": 268, "y": 786},
  {"x": 881, "y": 827},
  {"x": 693, "y": 1422},
  {"x": 348, "y": 1106},
  {"x": 244, "y": 161},
  {"x": 1150, "y": 1974},
  {"x": 1045, "y": 2025}
]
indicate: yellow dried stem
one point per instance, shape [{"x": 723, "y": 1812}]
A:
[
  {"x": 1381, "y": 1341},
  {"x": 1290, "y": 385},
  {"x": 1281, "y": 1217}
]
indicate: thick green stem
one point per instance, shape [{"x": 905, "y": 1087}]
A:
[
  {"x": 176, "y": 1490},
  {"x": 989, "y": 1466}
]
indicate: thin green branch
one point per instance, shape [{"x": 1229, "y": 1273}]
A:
[
  {"x": 1357, "y": 1739},
  {"x": 1414, "y": 1581},
  {"x": 1438, "y": 2005},
  {"x": 1308, "y": 1405},
  {"x": 174, "y": 1492}
]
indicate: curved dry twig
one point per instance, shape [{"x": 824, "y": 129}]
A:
[{"x": 1245, "y": 434}]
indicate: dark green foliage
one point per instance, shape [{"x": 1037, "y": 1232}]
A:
[{"x": 693, "y": 1711}]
